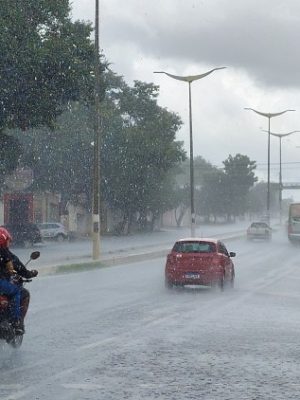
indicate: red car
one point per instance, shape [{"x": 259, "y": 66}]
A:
[{"x": 199, "y": 261}]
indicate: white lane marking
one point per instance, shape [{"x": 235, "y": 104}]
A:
[
  {"x": 82, "y": 386},
  {"x": 98, "y": 343},
  {"x": 13, "y": 386}
]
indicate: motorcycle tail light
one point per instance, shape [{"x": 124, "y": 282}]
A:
[{"x": 3, "y": 302}]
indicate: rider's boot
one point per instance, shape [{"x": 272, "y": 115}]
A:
[
  {"x": 24, "y": 308},
  {"x": 19, "y": 327}
]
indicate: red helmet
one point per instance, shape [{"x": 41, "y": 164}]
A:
[{"x": 5, "y": 237}]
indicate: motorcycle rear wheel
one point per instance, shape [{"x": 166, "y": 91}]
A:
[{"x": 16, "y": 342}]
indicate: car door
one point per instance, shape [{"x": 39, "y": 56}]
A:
[
  {"x": 227, "y": 262},
  {"x": 47, "y": 231}
]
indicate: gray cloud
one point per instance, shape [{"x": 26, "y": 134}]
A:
[
  {"x": 256, "y": 39},
  {"x": 259, "y": 37}
]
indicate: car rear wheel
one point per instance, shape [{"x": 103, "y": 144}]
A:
[
  {"x": 60, "y": 238},
  {"x": 16, "y": 342},
  {"x": 221, "y": 283},
  {"x": 293, "y": 241},
  {"x": 168, "y": 284},
  {"x": 231, "y": 283}
]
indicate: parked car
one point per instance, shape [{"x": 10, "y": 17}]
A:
[
  {"x": 25, "y": 235},
  {"x": 53, "y": 230},
  {"x": 259, "y": 230},
  {"x": 199, "y": 261}
]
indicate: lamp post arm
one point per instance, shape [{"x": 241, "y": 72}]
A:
[
  {"x": 280, "y": 135},
  {"x": 268, "y": 115},
  {"x": 189, "y": 78}
]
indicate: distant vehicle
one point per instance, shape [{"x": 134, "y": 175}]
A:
[
  {"x": 25, "y": 235},
  {"x": 293, "y": 224},
  {"x": 199, "y": 261},
  {"x": 53, "y": 230},
  {"x": 259, "y": 230},
  {"x": 265, "y": 218}
]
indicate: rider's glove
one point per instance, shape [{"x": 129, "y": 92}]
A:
[
  {"x": 16, "y": 279},
  {"x": 10, "y": 268},
  {"x": 34, "y": 273}
]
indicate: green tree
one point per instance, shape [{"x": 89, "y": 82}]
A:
[
  {"x": 257, "y": 197},
  {"x": 137, "y": 151},
  {"x": 213, "y": 194},
  {"x": 240, "y": 178},
  {"x": 182, "y": 194},
  {"x": 10, "y": 152},
  {"x": 62, "y": 158},
  {"x": 46, "y": 61},
  {"x": 138, "y": 156},
  {"x": 201, "y": 167},
  {"x": 225, "y": 192}
]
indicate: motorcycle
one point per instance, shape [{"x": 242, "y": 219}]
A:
[{"x": 7, "y": 331}]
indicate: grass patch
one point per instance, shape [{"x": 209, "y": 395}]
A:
[{"x": 63, "y": 269}]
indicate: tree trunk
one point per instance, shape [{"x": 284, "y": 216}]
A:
[{"x": 179, "y": 218}]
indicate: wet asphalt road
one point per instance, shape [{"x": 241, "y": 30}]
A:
[{"x": 117, "y": 333}]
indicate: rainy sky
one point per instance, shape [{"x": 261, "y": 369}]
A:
[{"x": 256, "y": 40}]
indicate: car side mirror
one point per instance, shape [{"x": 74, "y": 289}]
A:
[{"x": 232, "y": 254}]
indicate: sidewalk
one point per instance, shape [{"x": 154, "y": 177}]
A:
[{"x": 121, "y": 249}]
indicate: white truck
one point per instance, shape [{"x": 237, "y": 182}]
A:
[{"x": 294, "y": 223}]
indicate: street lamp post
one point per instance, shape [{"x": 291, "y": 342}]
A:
[
  {"x": 189, "y": 79},
  {"x": 96, "y": 158},
  {"x": 269, "y": 116},
  {"x": 280, "y": 136}
]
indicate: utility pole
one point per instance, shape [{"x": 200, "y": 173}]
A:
[{"x": 97, "y": 127}]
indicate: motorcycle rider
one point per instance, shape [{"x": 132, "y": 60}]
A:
[
  {"x": 23, "y": 272},
  {"x": 18, "y": 268},
  {"x": 6, "y": 287}
]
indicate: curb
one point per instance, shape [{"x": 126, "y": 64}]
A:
[{"x": 116, "y": 260}]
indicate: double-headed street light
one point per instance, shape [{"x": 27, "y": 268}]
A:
[
  {"x": 190, "y": 79},
  {"x": 280, "y": 136},
  {"x": 269, "y": 116}
]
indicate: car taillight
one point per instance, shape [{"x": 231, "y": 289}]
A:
[
  {"x": 216, "y": 262},
  {"x": 172, "y": 262},
  {"x": 171, "y": 258}
]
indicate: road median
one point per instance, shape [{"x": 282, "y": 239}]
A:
[{"x": 121, "y": 257}]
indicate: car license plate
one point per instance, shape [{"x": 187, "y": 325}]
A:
[{"x": 192, "y": 275}]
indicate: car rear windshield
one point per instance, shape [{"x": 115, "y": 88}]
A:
[
  {"x": 194, "y": 247},
  {"x": 259, "y": 225},
  {"x": 295, "y": 219}
]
